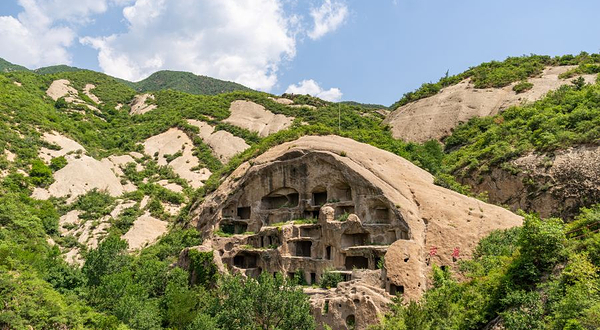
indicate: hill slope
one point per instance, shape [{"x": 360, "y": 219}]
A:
[
  {"x": 6, "y": 66},
  {"x": 56, "y": 125},
  {"x": 56, "y": 69},
  {"x": 186, "y": 82}
]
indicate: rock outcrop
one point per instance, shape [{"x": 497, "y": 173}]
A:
[
  {"x": 549, "y": 184},
  {"x": 254, "y": 117},
  {"x": 139, "y": 106},
  {"x": 223, "y": 144},
  {"x": 175, "y": 143},
  {"x": 434, "y": 117},
  {"x": 331, "y": 204}
]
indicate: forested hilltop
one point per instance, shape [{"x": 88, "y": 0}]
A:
[{"x": 541, "y": 276}]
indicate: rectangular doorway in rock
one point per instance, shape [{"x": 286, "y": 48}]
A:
[
  {"x": 244, "y": 212},
  {"x": 313, "y": 232},
  {"x": 313, "y": 278},
  {"x": 319, "y": 198},
  {"x": 245, "y": 260},
  {"x": 341, "y": 192},
  {"x": 303, "y": 248},
  {"x": 381, "y": 214},
  {"x": 358, "y": 262},
  {"x": 358, "y": 239},
  {"x": 396, "y": 289},
  {"x": 227, "y": 228},
  {"x": 328, "y": 253},
  {"x": 240, "y": 227}
]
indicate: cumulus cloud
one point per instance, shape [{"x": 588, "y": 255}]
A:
[
  {"x": 327, "y": 18},
  {"x": 43, "y": 31},
  {"x": 244, "y": 41},
  {"x": 311, "y": 87}
]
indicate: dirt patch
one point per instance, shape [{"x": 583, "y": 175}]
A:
[
  {"x": 254, "y": 117},
  {"x": 146, "y": 230},
  {"x": 139, "y": 105},
  {"x": 435, "y": 117},
  {"x": 223, "y": 144},
  {"x": 17, "y": 83},
  {"x": 117, "y": 163},
  {"x": 68, "y": 221}
]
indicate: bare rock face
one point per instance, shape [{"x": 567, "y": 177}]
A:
[
  {"x": 223, "y": 144},
  {"x": 172, "y": 142},
  {"x": 434, "y": 117},
  {"x": 139, "y": 105},
  {"x": 331, "y": 204},
  {"x": 550, "y": 184},
  {"x": 61, "y": 88},
  {"x": 254, "y": 117}
]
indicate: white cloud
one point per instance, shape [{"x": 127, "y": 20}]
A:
[
  {"x": 327, "y": 18},
  {"x": 240, "y": 40},
  {"x": 43, "y": 31},
  {"x": 311, "y": 87}
]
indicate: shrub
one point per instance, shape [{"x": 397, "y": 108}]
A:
[
  {"x": 40, "y": 174},
  {"x": 330, "y": 279},
  {"x": 57, "y": 163},
  {"x": 522, "y": 87}
]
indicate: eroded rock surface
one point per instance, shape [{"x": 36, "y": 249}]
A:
[
  {"x": 434, "y": 117},
  {"x": 223, "y": 144},
  {"x": 88, "y": 92},
  {"x": 254, "y": 117},
  {"x": 81, "y": 174},
  {"x": 174, "y": 142},
  {"x": 550, "y": 184},
  {"x": 139, "y": 105},
  {"x": 360, "y": 208},
  {"x": 61, "y": 88},
  {"x": 146, "y": 230}
]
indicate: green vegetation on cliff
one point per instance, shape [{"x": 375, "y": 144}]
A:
[{"x": 541, "y": 276}]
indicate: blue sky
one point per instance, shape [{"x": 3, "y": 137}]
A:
[{"x": 367, "y": 51}]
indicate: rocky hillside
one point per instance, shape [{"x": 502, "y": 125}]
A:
[{"x": 103, "y": 188}]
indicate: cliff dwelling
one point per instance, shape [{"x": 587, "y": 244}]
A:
[{"x": 302, "y": 210}]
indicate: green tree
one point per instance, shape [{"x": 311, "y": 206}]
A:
[
  {"x": 268, "y": 303},
  {"x": 40, "y": 174}
]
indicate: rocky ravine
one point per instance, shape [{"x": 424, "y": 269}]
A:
[{"x": 368, "y": 214}]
